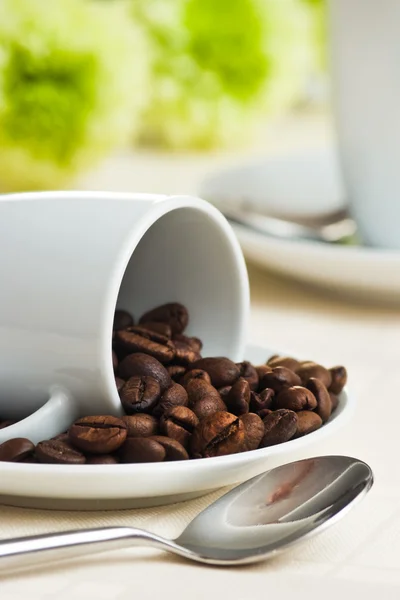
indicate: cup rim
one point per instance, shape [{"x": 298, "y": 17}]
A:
[{"x": 161, "y": 206}]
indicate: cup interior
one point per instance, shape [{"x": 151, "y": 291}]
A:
[{"x": 190, "y": 256}]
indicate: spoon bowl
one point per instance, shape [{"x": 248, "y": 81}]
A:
[{"x": 254, "y": 520}]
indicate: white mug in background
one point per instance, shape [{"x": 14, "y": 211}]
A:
[
  {"x": 365, "y": 59},
  {"x": 68, "y": 259}
]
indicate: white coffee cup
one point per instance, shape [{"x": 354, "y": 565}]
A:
[
  {"x": 365, "y": 58},
  {"x": 68, "y": 259}
]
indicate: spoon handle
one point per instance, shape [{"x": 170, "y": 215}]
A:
[{"x": 25, "y": 552}]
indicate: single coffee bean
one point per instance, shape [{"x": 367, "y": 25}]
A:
[
  {"x": 238, "y": 399},
  {"x": 16, "y": 450},
  {"x": 101, "y": 459},
  {"x": 334, "y": 401},
  {"x": 142, "y": 450},
  {"x": 193, "y": 342},
  {"x": 283, "y": 361},
  {"x": 179, "y": 423},
  {"x": 339, "y": 379},
  {"x": 261, "y": 401},
  {"x": 59, "y": 453},
  {"x": 140, "y": 394},
  {"x": 144, "y": 365},
  {"x": 6, "y": 423},
  {"x": 218, "y": 435},
  {"x": 296, "y": 398},
  {"x": 141, "y": 425},
  {"x": 122, "y": 320},
  {"x": 158, "y": 327},
  {"x": 312, "y": 369},
  {"x": 99, "y": 434},
  {"x": 248, "y": 371},
  {"x": 138, "y": 339},
  {"x": 176, "y": 372},
  {"x": 173, "y": 313},
  {"x": 204, "y": 399},
  {"x": 221, "y": 370},
  {"x": 176, "y": 395},
  {"x": 324, "y": 404},
  {"x": 114, "y": 361},
  {"x": 278, "y": 379},
  {"x": 261, "y": 371},
  {"x": 280, "y": 426},
  {"x": 253, "y": 430},
  {"x": 184, "y": 354},
  {"x": 195, "y": 374},
  {"x": 119, "y": 383},
  {"x": 307, "y": 421},
  {"x": 173, "y": 449},
  {"x": 224, "y": 391},
  {"x": 62, "y": 437}
]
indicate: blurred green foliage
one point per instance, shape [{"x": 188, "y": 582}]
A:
[{"x": 70, "y": 88}]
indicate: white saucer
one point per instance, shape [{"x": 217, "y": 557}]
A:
[
  {"x": 103, "y": 487},
  {"x": 290, "y": 185}
]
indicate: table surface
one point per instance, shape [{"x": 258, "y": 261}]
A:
[{"x": 362, "y": 552}]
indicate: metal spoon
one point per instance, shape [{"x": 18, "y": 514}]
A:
[
  {"x": 248, "y": 524},
  {"x": 340, "y": 230}
]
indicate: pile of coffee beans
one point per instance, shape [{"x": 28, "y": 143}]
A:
[{"x": 181, "y": 405}]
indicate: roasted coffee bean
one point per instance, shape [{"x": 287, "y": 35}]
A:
[
  {"x": 278, "y": 379},
  {"x": 144, "y": 365},
  {"x": 158, "y": 327},
  {"x": 296, "y": 398},
  {"x": 280, "y": 426},
  {"x": 122, "y": 320},
  {"x": 140, "y": 395},
  {"x": 238, "y": 399},
  {"x": 16, "y": 450},
  {"x": 101, "y": 459},
  {"x": 221, "y": 370},
  {"x": 334, "y": 401},
  {"x": 193, "y": 342},
  {"x": 119, "y": 383},
  {"x": 142, "y": 450},
  {"x": 141, "y": 425},
  {"x": 307, "y": 421},
  {"x": 178, "y": 423},
  {"x": 248, "y": 371},
  {"x": 176, "y": 372},
  {"x": 324, "y": 404},
  {"x": 173, "y": 449},
  {"x": 217, "y": 435},
  {"x": 224, "y": 391},
  {"x": 58, "y": 452},
  {"x": 204, "y": 399},
  {"x": 261, "y": 401},
  {"x": 283, "y": 361},
  {"x": 253, "y": 430},
  {"x": 176, "y": 395},
  {"x": 184, "y": 354},
  {"x": 99, "y": 434},
  {"x": 264, "y": 413},
  {"x": 339, "y": 379},
  {"x": 311, "y": 369},
  {"x": 6, "y": 423},
  {"x": 195, "y": 374},
  {"x": 261, "y": 370},
  {"x": 173, "y": 313},
  {"x": 138, "y": 339},
  {"x": 114, "y": 360}
]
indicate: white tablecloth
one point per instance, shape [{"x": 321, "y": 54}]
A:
[{"x": 359, "y": 554}]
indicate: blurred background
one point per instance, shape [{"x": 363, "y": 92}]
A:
[{"x": 155, "y": 94}]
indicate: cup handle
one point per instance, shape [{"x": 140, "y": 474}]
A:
[{"x": 54, "y": 417}]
